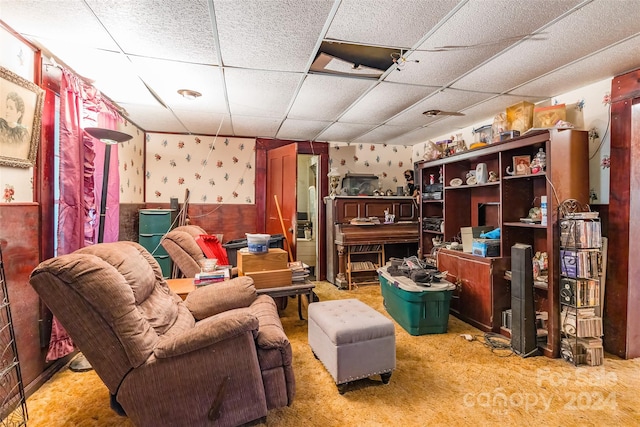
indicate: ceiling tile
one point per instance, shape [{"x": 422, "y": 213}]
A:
[
  {"x": 567, "y": 40},
  {"x": 385, "y": 101},
  {"x": 167, "y": 77},
  {"x": 270, "y": 35},
  {"x": 508, "y": 22},
  {"x": 160, "y": 29},
  {"x": 300, "y": 129},
  {"x": 343, "y": 132},
  {"x": 383, "y": 134},
  {"x": 389, "y": 23},
  {"x": 204, "y": 123},
  {"x": 260, "y": 93},
  {"x": 72, "y": 21},
  {"x": 153, "y": 118},
  {"x": 607, "y": 64},
  {"x": 255, "y": 127},
  {"x": 324, "y": 97},
  {"x": 446, "y": 100}
]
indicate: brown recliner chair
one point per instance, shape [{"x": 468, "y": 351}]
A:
[
  {"x": 181, "y": 246},
  {"x": 220, "y": 357}
]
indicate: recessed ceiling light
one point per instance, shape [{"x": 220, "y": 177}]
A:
[{"x": 189, "y": 94}]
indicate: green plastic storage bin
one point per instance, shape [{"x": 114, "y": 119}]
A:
[{"x": 419, "y": 312}]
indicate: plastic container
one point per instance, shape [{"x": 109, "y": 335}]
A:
[
  {"x": 232, "y": 247},
  {"x": 258, "y": 243},
  {"x": 419, "y": 310}
]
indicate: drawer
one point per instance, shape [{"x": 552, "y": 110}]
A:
[
  {"x": 156, "y": 220},
  {"x": 165, "y": 265},
  {"x": 151, "y": 242}
]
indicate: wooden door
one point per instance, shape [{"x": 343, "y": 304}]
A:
[{"x": 282, "y": 172}]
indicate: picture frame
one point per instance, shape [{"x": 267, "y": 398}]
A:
[
  {"x": 20, "y": 118},
  {"x": 522, "y": 165}
]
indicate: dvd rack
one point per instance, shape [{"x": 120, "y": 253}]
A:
[
  {"x": 580, "y": 259},
  {"x": 13, "y": 411}
]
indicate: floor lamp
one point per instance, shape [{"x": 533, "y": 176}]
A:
[{"x": 109, "y": 137}]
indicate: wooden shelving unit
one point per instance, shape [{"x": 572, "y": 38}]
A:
[{"x": 483, "y": 289}]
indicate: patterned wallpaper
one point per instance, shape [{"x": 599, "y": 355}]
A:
[
  {"x": 214, "y": 169},
  {"x": 588, "y": 108},
  {"x": 388, "y": 162},
  {"x": 16, "y": 183},
  {"x": 131, "y": 165}
]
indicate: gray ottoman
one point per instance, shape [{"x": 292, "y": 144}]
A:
[{"x": 352, "y": 340}]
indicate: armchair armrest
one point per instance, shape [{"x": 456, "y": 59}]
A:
[
  {"x": 219, "y": 297},
  {"x": 207, "y": 332}
]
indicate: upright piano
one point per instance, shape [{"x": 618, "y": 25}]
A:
[{"x": 399, "y": 239}]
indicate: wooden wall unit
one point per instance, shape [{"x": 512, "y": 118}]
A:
[
  {"x": 483, "y": 290},
  {"x": 622, "y": 290}
]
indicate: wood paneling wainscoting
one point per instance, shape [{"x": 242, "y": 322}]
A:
[
  {"x": 233, "y": 221},
  {"x": 19, "y": 237}
]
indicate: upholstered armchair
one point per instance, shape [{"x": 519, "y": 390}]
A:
[
  {"x": 183, "y": 249},
  {"x": 220, "y": 357},
  {"x": 180, "y": 243}
]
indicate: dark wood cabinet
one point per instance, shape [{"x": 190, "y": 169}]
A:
[
  {"x": 502, "y": 202},
  {"x": 481, "y": 292}
]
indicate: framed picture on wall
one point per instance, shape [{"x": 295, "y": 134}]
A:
[
  {"x": 522, "y": 165},
  {"x": 20, "y": 118}
]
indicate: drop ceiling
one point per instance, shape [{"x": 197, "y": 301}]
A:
[{"x": 252, "y": 60}]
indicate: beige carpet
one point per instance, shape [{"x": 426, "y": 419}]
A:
[{"x": 440, "y": 380}]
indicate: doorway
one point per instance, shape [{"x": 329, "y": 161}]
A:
[{"x": 307, "y": 211}]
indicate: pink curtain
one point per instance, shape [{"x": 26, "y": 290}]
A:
[{"x": 81, "y": 169}]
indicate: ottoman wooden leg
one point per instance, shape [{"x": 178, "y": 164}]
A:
[{"x": 386, "y": 377}]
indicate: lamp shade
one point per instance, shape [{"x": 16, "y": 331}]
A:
[{"x": 108, "y": 136}]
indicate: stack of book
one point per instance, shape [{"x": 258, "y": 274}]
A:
[
  {"x": 299, "y": 271},
  {"x": 209, "y": 277}
]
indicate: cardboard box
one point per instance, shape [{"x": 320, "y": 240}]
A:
[
  {"x": 271, "y": 278},
  {"x": 275, "y": 259},
  {"x": 547, "y": 117},
  {"x": 470, "y": 233},
  {"x": 520, "y": 117}
]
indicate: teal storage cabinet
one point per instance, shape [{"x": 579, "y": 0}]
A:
[
  {"x": 153, "y": 225},
  {"x": 418, "y": 309}
]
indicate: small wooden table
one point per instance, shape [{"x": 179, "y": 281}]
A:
[{"x": 183, "y": 287}]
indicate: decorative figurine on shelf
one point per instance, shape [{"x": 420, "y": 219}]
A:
[
  {"x": 334, "y": 181},
  {"x": 411, "y": 189},
  {"x": 388, "y": 218},
  {"x": 539, "y": 162},
  {"x": 493, "y": 177},
  {"x": 431, "y": 151}
]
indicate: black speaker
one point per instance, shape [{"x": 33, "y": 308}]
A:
[{"x": 523, "y": 322}]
